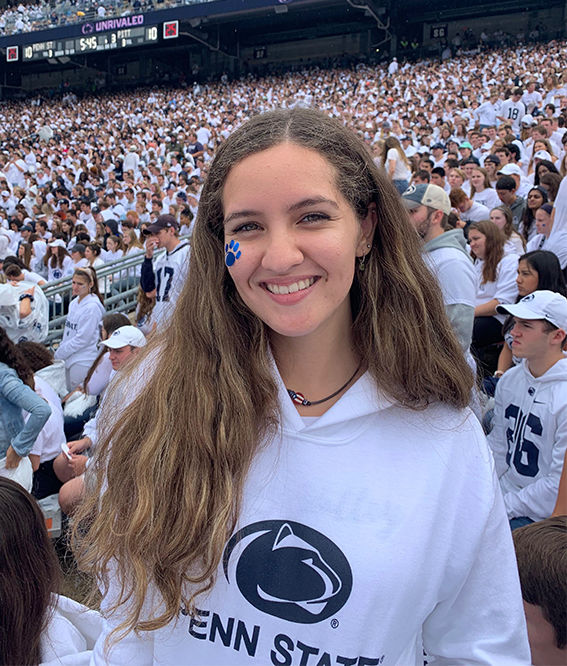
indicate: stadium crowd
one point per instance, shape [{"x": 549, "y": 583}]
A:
[{"x": 104, "y": 177}]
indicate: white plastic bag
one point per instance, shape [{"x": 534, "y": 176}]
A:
[
  {"x": 77, "y": 403},
  {"x": 22, "y": 474}
]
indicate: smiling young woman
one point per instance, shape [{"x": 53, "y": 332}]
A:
[
  {"x": 249, "y": 525},
  {"x": 78, "y": 348}
]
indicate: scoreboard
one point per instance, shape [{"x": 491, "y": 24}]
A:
[{"x": 94, "y": 42}]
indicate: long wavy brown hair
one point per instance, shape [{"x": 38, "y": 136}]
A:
[
  {"x": 170, "y": 472},
  {"x": 493, "y": 248},
  {"x": 29, "y": 575}
]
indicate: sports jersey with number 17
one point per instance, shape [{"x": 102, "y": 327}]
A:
[{"x": 170, "y": 271}]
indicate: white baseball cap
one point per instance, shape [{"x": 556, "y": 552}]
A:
[
  {"x": 542, "y": 155},
  {"x": 57, "y": 243},
  {"x": 528, "y": 119},
  {"x": 544, "y": 304},
  {"x": 510, "y": 170},
  {"x": 126, "y": 336}
]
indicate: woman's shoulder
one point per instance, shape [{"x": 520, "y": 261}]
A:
[
  {"x": 509, "y": 260},
  {"x": 89, "y": 302},
  {"x": 9, "y": 379},
  {"x": 71, "y": 633},
  {"x": 442, "y": 432}
]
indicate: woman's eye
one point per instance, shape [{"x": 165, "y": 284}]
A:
[
  {"x": 248, "y": 226},
  {"x": 314, "y": 217}
]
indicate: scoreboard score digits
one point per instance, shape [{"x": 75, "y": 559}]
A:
[{"x": 103, "y": 41}]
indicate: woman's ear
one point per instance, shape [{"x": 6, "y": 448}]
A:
[{"x": 367, "y": 227}]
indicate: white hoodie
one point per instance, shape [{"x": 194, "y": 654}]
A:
[
  {"x": 529, "y": 438},
  {"x": 365, "y": 535},
  {"x": 70, "y": 634},
  {"x": 80, "y": 339}
]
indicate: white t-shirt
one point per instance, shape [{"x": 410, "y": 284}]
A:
[
  {"x": 532, "y": 100},
  {"x": 100, "y": 377},
  {"x": 504, "y": 289},
  {"x": 514, "y": 245},
  {"x": 556, "y": 243},
  {"x": 57, "y": 272},
  {"x": 476, "y": 213},
  {"x": 30, "y": 276},
  {"x": 48, "y": 443},
  {"x": 486, "y": 114},
  {"x": 488, "y": 198},
  {"x": 401, "y": 171}
]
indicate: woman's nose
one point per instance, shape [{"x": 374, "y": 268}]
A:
[{"x": 281, "y": 252}]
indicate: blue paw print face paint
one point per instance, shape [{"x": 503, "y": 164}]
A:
[{"x": 232, "y": 253}]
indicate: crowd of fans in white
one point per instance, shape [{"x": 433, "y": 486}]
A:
[
  {"x": 88, "y": 173},
  {"x": 83, "y": 179}
]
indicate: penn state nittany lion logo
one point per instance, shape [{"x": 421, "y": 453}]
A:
[{"x": 288, "y": 570}]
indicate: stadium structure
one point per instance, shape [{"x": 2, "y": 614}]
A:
[{"x": 194, "y": 41}]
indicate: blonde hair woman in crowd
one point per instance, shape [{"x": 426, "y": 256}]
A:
[{"x": 396, "y": 164}]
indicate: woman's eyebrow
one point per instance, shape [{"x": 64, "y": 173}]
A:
[
  {"x": 237, "y": 215},
  {"x": 312, "y": 201}
]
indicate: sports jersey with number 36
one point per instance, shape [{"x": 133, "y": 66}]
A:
[{"x": 529, "y": 438}]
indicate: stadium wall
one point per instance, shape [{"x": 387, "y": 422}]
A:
[{"x": 304, "y": 50}]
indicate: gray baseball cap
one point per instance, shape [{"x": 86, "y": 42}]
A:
[{"x": 429, "y": 195}]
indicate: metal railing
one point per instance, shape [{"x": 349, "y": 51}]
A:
[{"x": 118, "y": 283}]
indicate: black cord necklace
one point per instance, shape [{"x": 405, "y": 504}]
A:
[{"x": 300, "y": 399}]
